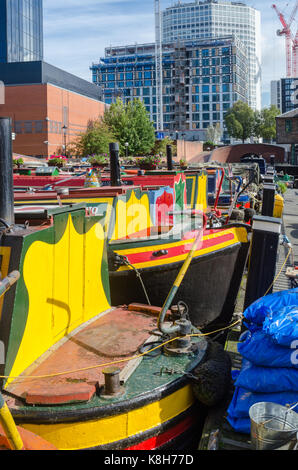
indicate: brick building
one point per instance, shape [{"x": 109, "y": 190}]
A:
[
  {"x": 287, "y": 133},
  {"x": 287, "y": 128},
  {"x": 48, "y": 107}
]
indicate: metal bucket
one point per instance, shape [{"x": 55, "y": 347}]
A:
[{"x": 273, "y": 427}]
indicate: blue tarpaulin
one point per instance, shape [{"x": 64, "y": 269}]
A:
[{"x": 270, "y": 350}]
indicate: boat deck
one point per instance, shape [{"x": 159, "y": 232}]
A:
[
  {"x": 112, "y": 337},
  {"x": 217, "y": 433}
]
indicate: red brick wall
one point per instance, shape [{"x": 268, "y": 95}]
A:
[{"x": 46, "y": 103}]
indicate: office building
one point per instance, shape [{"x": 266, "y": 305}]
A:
[
  {"x": 21, "y": 30},
  {"x": 217, "y": 18},
  {"x": 284, "y": 94},
  {"x": 202, "y": 79}
]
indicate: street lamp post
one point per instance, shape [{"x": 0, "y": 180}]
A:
[
  {"x": 126, "y": 149},
  {"x": 65, "y": 137}
]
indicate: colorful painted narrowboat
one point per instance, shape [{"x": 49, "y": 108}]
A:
[
  {"x": 62, "y": 338},
  {"x": 150, "y": 234},
  {"x": 78, "y": 372}
]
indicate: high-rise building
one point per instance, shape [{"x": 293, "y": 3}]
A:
[
  {"x": 202, "y": 79},
  {"x": 217, "y": 18},
  {"x": 21, "y": 30},
  {"x": 284, "y": 94},
  {"x": 276, "y": 94}
]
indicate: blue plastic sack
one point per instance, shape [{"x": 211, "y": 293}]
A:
[
  {"x": 261, "y": 350},
  {"x": 243, "y": 399},
  {"x": 283, "y": 326},
  {"x": 256, "y": 313},
  {"x": 267, "y": 380},
  {"x": 241, "y": 425}
]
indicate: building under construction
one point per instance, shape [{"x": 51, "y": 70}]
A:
[{"x": 202, "y": 79}]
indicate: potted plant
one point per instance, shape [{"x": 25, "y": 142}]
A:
[
  {"x": 98, "y": 161},
  {"x": 17, "y": 163},
  {"x": 58, "y": 161},
  {"x": 183, "y": 164},
  {"x": 149, "y": 163},
  {"x": 129, "y": 161}
]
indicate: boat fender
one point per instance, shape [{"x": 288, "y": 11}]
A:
[
  {"x": 212, "y": 378},
  {"x": 249, "y": 214},
  {"x": 237, "y": 214}
]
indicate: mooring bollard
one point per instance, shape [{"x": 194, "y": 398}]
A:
[
  {"x": 114, "y": 163},
  {"x": 6, "y": 172},
  {"x": 268, "y": 199},
  {"x": 170, "y": 157},
  {"x": 263, "y": 257}
]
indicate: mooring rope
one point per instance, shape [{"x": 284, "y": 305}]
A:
[{"x": 120, "y": 361}]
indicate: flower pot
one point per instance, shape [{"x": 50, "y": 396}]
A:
[
  {"x": 56, "y": 164},
  {"x": 99, "y": 165},
  {"x": 147, "y": 166}
]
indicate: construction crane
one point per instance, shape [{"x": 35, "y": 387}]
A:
[
  {"x": 291, "y": 42},
  {"x": 295, "y": 56},
  {"x": 158, "y": 67}
]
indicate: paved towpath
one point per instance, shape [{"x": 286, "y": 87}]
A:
[{"x": 290, "y": 229}]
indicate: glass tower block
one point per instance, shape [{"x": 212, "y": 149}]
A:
[{"x": 21, "y": 30}]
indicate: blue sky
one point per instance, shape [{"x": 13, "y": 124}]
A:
[{"x": 77, "y": 32}]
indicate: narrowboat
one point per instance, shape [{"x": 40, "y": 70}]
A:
[
  {"x": 150, "y": 230},
  {"x": 77, "y": 372}
]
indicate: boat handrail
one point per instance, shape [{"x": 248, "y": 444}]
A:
[{"x": 8, "y": 282}]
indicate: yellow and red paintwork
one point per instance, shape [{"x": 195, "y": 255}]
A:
[{"x": 213, "y": 240}]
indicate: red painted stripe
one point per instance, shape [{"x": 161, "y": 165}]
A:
[
  {"x": 137, "y": 258},
  {"x": 162, "y": 439}
]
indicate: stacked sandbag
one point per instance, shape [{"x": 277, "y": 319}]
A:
[{"x": 270, "y": 357}]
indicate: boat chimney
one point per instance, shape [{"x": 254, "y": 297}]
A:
[
  {"x": 6, "y": 172},
  {"x": 114, "y": 164},
  {"x": 263, "y": 258},
  {"x": 170, "y": 157}
]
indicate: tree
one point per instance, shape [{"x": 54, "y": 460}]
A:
[
  {"x": 214, "y": 133},
  {"x": 95, "y": 140},
  {"x": 265, "y": 123},
  {"x": 160, "y": 146},
  {"x": 240, "y": 121},
  {"x": 130, "y": 123}
]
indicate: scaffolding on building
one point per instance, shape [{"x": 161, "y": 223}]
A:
[{"x": 158, "y": 66}]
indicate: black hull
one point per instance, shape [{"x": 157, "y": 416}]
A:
[{"x": 210, "y": 287}]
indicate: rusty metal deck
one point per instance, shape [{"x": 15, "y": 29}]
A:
[{"x": 116, "y": 335}]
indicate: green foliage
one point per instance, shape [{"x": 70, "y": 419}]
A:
[
  {"x": 161, "y": 147},
  {"x": 130, "y": 123},
  {"x": 208, "y": 145},
  {"x": 95, "y": 140},
  {"x": 150, "y": 162},
  {"x": 18, "y": 162},
  {"x": 265, "y": 123},
  {"x": 240, "y": 121},
  {"x": 99, "y": 159},
  {"x": 282, "y": 187},
  {"x": 214, "y": 133}
]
